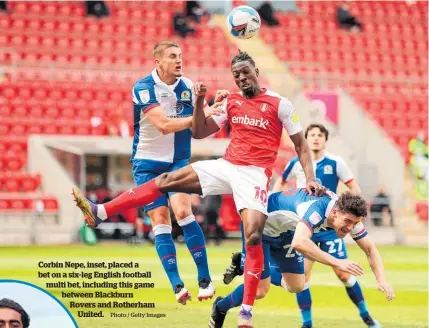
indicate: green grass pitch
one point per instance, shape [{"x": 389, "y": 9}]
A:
[{"x": 406, "y": 270}]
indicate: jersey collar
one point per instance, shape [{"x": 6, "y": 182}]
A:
[
  {"x": 320, "y": 159},
  {"x": 157, "y": 80}
]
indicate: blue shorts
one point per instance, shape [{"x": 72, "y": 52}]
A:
[
  {"x": 145, "y": 170},
  {"x": 329, "y": 242},
  {"x": 278, "y": 253}
]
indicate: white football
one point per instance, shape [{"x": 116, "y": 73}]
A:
[{"x": 244, "y": 22}]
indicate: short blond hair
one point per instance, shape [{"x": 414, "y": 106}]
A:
[{"x": 159, "y": 49}]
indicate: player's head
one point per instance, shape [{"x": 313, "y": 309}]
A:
[
  {"x": 317, "y": 136},
  {"x": 349, "y": 209},
  {"x": 168, "y": 58},
  {"x": 245, "y": 73},
  {"x": 12, "y": 315}
]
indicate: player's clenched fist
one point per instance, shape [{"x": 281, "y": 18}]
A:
[
  {"x": 350, "y": 267},
  {"x": 200, "y": 89}
]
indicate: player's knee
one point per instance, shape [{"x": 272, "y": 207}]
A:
[
  {"x": 296, "y": 287},
  {"x": 182, "y": 212},
  {"x": 262, "y": 291},
  {"x": 164, "y": 180},
  {"x": 159, "y": 218},
  {"x": 307, "y": 276},
  {"x": 343, "y": 276},
  {"x": 253, "y": 238}
]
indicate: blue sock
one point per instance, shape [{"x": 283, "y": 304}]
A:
[
  {"x": 276, "y": 275},
  {"x": 167, "y": 253},
  {"x": 231, "y": 300},
  {"x": 304, "y": 301},
  {"x": 194, "y": 239},
  {"x": 355, "y": 293}
]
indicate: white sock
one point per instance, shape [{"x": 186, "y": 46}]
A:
[
  {"x": 101, "y": 212},
  {"x": 351, "y": 282},
  {"x": 161, "y": 229},
  {"x": 189, "y": 219},
  {"x": 248, "y": 308}
]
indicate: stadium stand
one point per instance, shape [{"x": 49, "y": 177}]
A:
[
  {"x": 384, "y": 68},
  {"x": 62, "y": 69}
]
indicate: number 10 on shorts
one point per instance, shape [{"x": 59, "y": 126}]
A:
[{"x": 261, "y": 194}]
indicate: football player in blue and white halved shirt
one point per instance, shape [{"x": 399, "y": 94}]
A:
[
  {"x": 330, "y": 170},
  {"x": 163, "y": 108},
  {"x": 293, "y": 217}
]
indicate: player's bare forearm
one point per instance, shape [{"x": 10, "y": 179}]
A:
[
  {"x": 302, "y": 243},
  {"x": 200, "y": 126},
  {"x": 278, "y": 186},
  {"x": 304, "y": 155},
  {"x": 308, "y": 248},
  {"x": 354, "y": 187},
  {"x": 176, "y": 124},
  {"x": 374, "y": 258},
  {"x": 165, "y": 124}
]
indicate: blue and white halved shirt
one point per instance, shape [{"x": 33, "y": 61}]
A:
[
  {"x": 177, "y": 100},
  {"x": 286, "y": 209}
]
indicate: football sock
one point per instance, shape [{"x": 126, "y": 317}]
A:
[
  {"x": 194, "y": 239},
  {"x": 304, "y": 302},
  {"x": 167, "y": 253}
]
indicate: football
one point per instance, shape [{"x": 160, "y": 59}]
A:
[{"x": 244, "y": 22}]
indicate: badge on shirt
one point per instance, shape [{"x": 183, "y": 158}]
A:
[
  {"x": 185, "y": 96},
  {"x": 315, "y": 218},
  {"x": 328, "y": 169},
  {"x": 144, "y": 96},
  {"x": 264, "y": 107}
]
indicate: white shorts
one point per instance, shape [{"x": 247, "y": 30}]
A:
[{"x": 248, "y": 184}]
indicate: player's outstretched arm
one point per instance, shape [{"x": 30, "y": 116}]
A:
[
  {"x": 165, "y": 124},
  {"x": 304, "y": 156},
  {"x": 376, "y": 263},
  {"x": 354, "y": 187},
  {"x": 302, "y": 243},
  {"x": 202, "y": 126},
  {"x": 278, "y": 186}
]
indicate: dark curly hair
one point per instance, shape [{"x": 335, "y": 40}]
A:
[
  {"x": 242, "y": 56},
  {"x": 352, "y": 204},
  {"x": 7, "y": 303}
]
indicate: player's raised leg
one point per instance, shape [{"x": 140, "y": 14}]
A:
[
  {"x": 194, "y": 239},
  {"x": 182, "y": 180}
]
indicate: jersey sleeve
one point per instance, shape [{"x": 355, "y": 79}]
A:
[
  {"x": 313, "y": 216},
  {"x": 223, "y": 118},
  {"x": 289, "y": 170},
  {"x": 144, "y": 97},
  {"x": 359, "y": 231},
  {"x": 288, "y": 117},
  {"x": 343, "y": 171}
]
